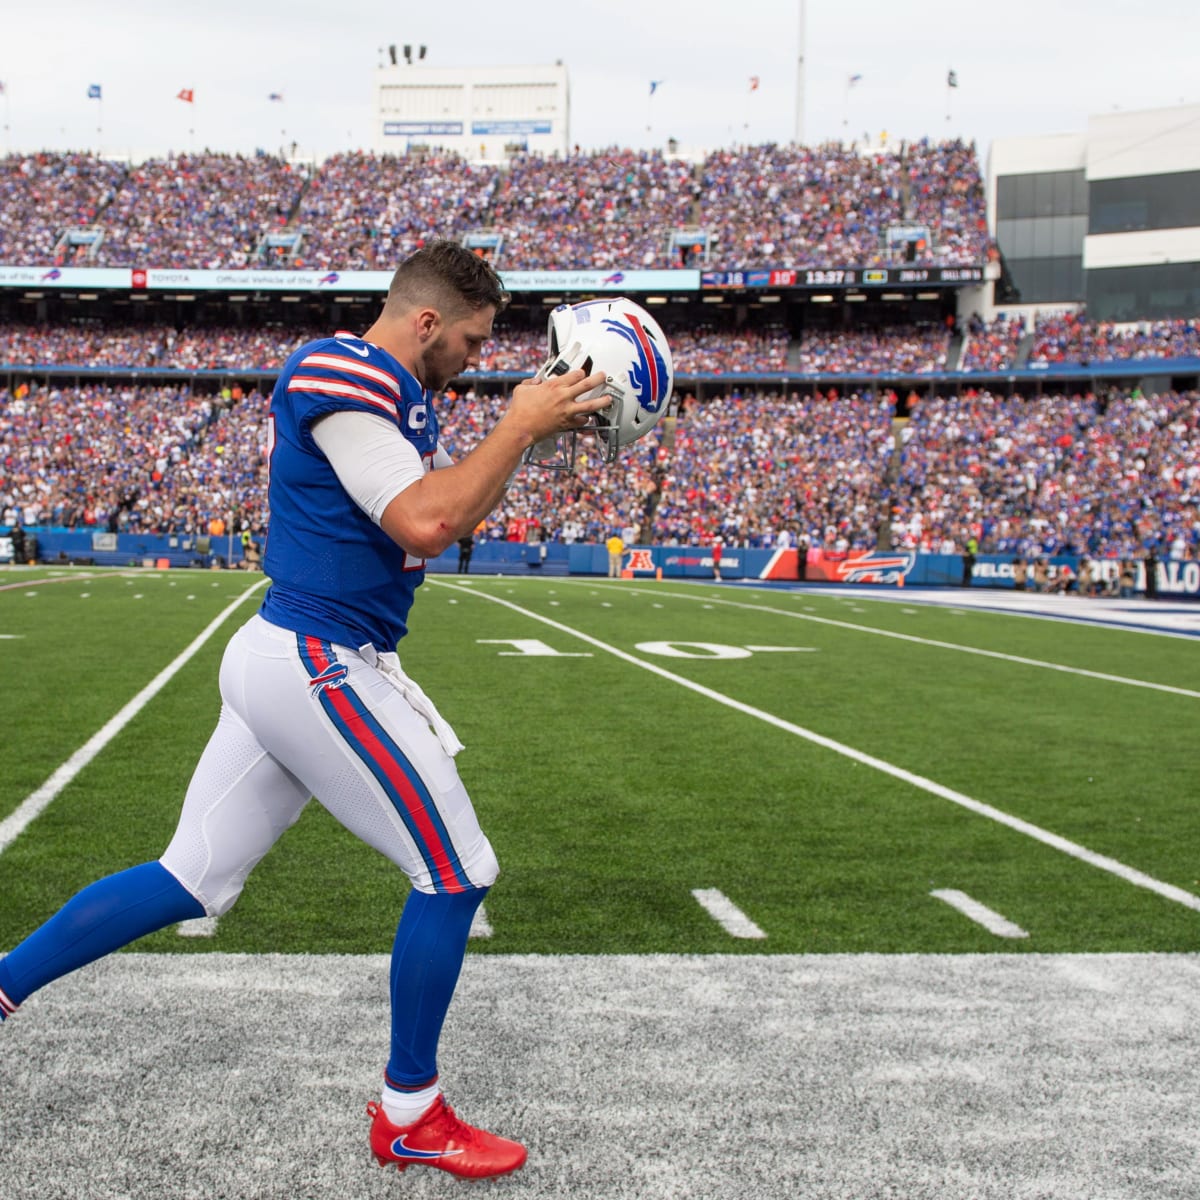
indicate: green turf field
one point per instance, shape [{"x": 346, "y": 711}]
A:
[{"x": 823, "y": 777}]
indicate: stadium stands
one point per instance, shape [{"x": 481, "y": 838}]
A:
[
  {"x": 1030, "y": 476},
  {"x": 1106, "y": 473},
  {"x": 1073, "y": 338},
  {"x": 903, "y": 349},
  {"x": 363, "y": 212},
  {"x": 43, "y": 195},
  {"x": 1060, "y": 474},
  {"x": 812, "y": 206},
  {"x": 115, "y": 458},
  {"x": 993, "y": 345},
  {"x": 605, "y": 209},
  {"x": 204, "y": 210},
  {"x": 698, "y": 349}
]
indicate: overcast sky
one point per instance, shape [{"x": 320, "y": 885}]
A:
[{"x": 1023, "y": 67}]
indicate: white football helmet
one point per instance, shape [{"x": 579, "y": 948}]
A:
[{"x": 624, "y": 341}]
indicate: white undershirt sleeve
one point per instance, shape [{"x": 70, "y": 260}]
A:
[{"x": 372, "y": 459}]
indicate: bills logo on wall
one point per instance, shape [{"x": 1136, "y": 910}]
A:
[{"x": 872, "y": 567}]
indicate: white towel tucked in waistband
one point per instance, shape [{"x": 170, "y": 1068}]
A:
[{"x": 388, "y": 665}]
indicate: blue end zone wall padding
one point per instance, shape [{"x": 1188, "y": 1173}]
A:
[{"x": 1175, "y": 578}]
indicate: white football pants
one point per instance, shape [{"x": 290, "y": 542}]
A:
[{"x": 302, "y": 717}]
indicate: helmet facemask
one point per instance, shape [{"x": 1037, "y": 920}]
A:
[{"x": 558, "y": 453}]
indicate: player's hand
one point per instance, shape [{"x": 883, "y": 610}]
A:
[{"x": 543, "y": 407}]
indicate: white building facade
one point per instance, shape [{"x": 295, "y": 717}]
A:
[{"x": 486, "y": 114}]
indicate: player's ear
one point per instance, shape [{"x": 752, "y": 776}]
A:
[{"x": 427, "y": 321}]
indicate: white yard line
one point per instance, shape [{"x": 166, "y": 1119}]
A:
[
  {"x": 991, "y": 920},
  {"x": 1102, "y": 862},
  {"x": 198, "y": 927},
  {"x": 481, "y": 927},
  {"x": 36, "y": 802},
  {"x": 920, "y": 641},
  {"x": 27, "y": 583},
  {"x": 726, "y": 913}
]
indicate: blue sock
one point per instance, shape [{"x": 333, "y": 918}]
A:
[
  {"x": 431, "y": 940},
  {"x": 102, "y": 918}
]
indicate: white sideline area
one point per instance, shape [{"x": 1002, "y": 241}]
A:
[{"x": 656, "y": 1077}]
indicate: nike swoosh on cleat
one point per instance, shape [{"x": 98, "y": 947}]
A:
[
  {"x": 355, "y": 350},
  {"x": 400, "y": 1150}
]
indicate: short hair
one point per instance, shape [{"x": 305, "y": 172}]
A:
[{"x": 447, "y": 276}]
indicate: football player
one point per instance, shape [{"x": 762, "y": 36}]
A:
[{"x": 314, "y": 700}]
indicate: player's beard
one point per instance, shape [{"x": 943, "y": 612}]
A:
[{"x": 439, "y": 370}]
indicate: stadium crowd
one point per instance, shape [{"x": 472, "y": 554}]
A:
[
  {"x": 1073, "y": 338},
  {"x": 124, "y": 458},
  {"x": 43, "y": 195},
  {"x": 992, "y": 345},
  {"x": 904, "y": 349},
  {"x": 1075, "y": 474},
  {"x": 365, "y": 212},
  {"x": 1107, "y": 476},
  {"x": 739, "y": 468},
  {"x": 814, "y": 206},
  {"x": 601, "y": 211},
  {"x": 697, "y": 349},
  {"x": 794, "y": 206},
  {"x": 97, "y": 344},
  {"x": 199, "y": 210}
]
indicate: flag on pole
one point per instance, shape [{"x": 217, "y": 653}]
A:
[
  {"x": 952, "y": 79},
  {"x": 186, "y": 94},
  {"x": 275, "y": 96},
  {"x": 93, "y": 91},
  {"x": 855, "y": 79},
  {"x": 754, "y": 83},
  {"x": 1, "y": 87},
  {"x": 655, "y": 84}
]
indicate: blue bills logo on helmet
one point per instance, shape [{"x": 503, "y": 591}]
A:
[{"x": 650, "y": 376}]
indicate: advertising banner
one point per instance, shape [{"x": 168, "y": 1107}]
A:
[
  {"x": 155, "y": 278},
  {"x": 83, "y": 278},
  {"x": 1175, "y": 577},
  {"x": 697, "y": 561},
  {"x": 422, "y": 128},
  {"x": 508, "y": 128},
  {"x": 601, "y": 281}
]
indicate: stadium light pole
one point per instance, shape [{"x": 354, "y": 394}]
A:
[{"x": 799, "y": 138}]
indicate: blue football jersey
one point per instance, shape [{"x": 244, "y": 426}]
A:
[{"x": 334, "y": 573}]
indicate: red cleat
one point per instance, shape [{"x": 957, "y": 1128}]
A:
[{"x": 439, "y": 1139}]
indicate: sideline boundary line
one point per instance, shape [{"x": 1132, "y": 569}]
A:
[
  {"x": 42, "y": 581},
  {"x": 1129, "y": 874},
  {"x": 911, "y": 637},
  {"x": 36, "y": 802}
]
